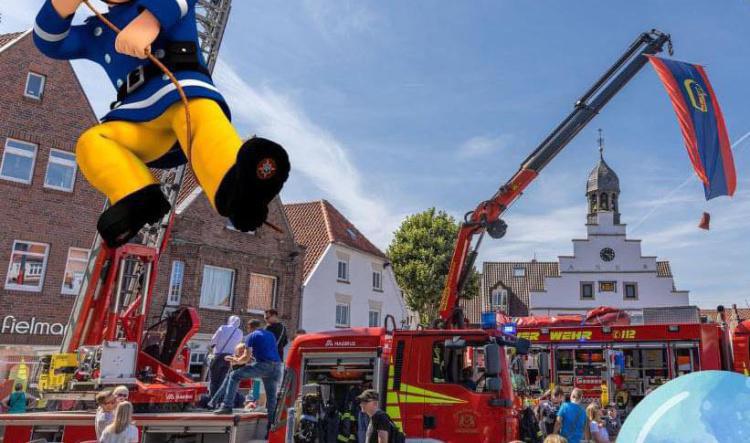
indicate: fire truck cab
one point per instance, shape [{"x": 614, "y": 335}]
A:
[{"x": 439, "y": 385}]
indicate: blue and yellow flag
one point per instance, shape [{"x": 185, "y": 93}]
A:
[{"x": 701, "y": 122}]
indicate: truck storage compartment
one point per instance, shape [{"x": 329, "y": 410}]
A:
[{"x": 328, "y": 386}]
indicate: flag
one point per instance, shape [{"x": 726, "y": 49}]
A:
[{"x": 701, "y": 122}]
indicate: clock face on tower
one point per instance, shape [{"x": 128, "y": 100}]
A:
[{"x": 607, "y": 254}]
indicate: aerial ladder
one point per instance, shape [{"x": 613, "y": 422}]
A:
[
  {"x": 106, "y": 341},
  {"x": 485, "y": 218}
]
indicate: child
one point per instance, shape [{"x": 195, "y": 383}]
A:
[
  {"x": 121, "y": 393},
  {"x": 612, "y": 421},
  {"x": 122, "y": 429},
  {"x": 241, "y": 357},
  {"x": 104, "y": 413}
]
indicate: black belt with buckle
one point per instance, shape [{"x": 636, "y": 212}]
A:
[{"x": 178, "y": 56}]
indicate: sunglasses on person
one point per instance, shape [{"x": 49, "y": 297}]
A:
[{"x": 121, "y": 395}]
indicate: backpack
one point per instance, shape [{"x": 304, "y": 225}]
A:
[{"x": 395, "y": 436}]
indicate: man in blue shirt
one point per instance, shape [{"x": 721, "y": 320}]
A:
[
  {"x": 571, "y": 419},
  {"x": 267, "y": 367}
]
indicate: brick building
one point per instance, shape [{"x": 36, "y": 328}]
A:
[
  {"x": 48, "y": 210},
  {"x": 49, "y": 214},
  {"x": 222, "y": 271}
]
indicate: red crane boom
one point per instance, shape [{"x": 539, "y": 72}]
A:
[{"x": 486, "y": 216}]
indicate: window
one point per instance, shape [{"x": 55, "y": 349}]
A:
[
  {"x": 587, "y": 290},
  {"x": 604, "y": 199},
  {"x": 18, "y": 161},
  {"x": 607, "y": 286},
  {"x": 374, "y": 319},
  {"x": 262, "y": 293},
  {"x": 216, "y": 288},
  {"x": 175, "y": 283},
  {"x": 197, "y": 362},
  {"x": 519, "y": 272},
  {"x": 343, "y": 273},
  {"x": 462, "y": 366},
  {"x": 342, "y": 315},
  {"x": 34, "y": 85},
  {"x": 377, "y": 280},
  {"x": 28, "y": 261},
  {"x": 61, "y": 170},
  {"x": 631, "y": 291},
  {"x": 75, "y": 268},
  {"x": 498, "y": 298}
]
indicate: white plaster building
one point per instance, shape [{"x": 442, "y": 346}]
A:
[
  {"x": 348, "y": 281},
  {"x": 606, "y": 268}
]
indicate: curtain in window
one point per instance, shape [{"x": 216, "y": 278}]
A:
[
  {"x": 261, "y": 292},
  {"x": 216, "y": 288}
]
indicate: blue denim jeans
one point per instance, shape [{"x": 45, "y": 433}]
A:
[{"x": 267, "y": 371}]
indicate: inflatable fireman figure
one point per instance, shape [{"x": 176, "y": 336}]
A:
[{"x": 148, "y": 119}]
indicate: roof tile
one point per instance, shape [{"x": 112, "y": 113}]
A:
[
  {"x": 317, "y": 224},
  {"x": 712, "y": 315},
  {"x": 7, "y": 38}
]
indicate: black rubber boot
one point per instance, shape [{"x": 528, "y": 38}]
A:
[
  {"x": 121, "y": 221},
  {"x": 260, "y": 172}
]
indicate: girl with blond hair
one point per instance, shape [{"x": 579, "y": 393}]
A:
[
  {"x": 122, "y": 429},
  {"x": 597, "y": 428}
]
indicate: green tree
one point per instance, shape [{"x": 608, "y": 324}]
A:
[{"x": 420, "y": 253}]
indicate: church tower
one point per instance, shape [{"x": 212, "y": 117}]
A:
[{"x": 602, "y": 191}]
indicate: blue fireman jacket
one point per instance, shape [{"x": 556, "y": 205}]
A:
[{"x": 93, "y": 40}]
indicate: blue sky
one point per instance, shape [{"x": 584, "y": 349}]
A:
[{"x": 390, "y": 107}]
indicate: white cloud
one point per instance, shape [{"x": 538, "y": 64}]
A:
[
  {"x": 482, "y": 146},
  {"x": 546, "y": 235},
  {"x": 314, "y": 152},
  {"x": 340, "y": 19}
]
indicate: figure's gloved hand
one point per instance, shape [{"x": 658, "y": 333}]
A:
[
  {"x": 66, "y": 7},
  {"x": 135, "y": 39}
]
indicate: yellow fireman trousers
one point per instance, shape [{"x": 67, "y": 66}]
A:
[{"x": 113, "y": 155}]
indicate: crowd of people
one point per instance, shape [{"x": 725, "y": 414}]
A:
[{"x": 563, "y": 421}]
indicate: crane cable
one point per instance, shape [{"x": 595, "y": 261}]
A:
[
  {"x": 180, "y": 91},
  {"x": 164, "y": 69}
]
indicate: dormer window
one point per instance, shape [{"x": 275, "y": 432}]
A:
[
  {"x": 519, "y": 271},
  {"x": 34, "y": 86}
]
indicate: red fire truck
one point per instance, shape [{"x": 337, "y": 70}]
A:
[{"x": 621, "y": 363}]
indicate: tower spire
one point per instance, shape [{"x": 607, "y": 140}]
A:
[{"x": 601, "y": 144}]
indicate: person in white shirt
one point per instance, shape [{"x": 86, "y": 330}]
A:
[
  {"x": 122, "y": 430},
  {"x": 106, "y": 403},
  {"x": 222, "y": 345},
  {"x": 597, "y": 428}
]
